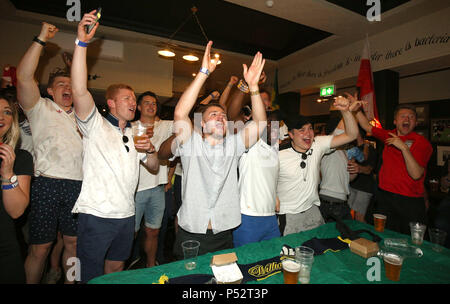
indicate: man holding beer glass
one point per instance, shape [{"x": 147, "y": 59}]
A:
[{"x": 110, "y": 168}]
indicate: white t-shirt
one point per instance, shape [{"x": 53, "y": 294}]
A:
[
  {"x": 258, "y": 177},
  {"x": 161, "y": 131},
  {"x": 110, "y": 172},
  {"x": 57, "y": 142},
  {"x": 26, "y": 140},
  {"x": 298, "y": 188},
  {"x": 335, "y": 177}
]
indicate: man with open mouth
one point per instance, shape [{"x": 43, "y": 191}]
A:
[
  {"x": 106, "y": 206},
  {"x": 299, "y": 174},
  {"x": 57, "y": 146},
  {"x": 209, "y": 156},
  {"x": 400, "y": 194}
]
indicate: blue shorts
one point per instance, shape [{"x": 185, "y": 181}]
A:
[
  {"x": 255, "y": 228},
  {"x": 100, "y": 239},
  {"x": 150, "y": 203}
]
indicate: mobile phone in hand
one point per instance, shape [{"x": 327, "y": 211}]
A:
[{"x": 98, "y": 14}]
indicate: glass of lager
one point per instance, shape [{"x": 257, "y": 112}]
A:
[
  {"x": 139, "y": 130},
  {"x": 291, "y": 269},
  {"x": 379, "y": 221},
  {"x": 392, "y": 265}
]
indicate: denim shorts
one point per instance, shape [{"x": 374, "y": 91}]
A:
[{"x": 150, "y": 203}]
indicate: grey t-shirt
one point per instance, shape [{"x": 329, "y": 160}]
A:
[{"x": 210, "y": 184}]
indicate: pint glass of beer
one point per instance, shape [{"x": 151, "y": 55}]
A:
[
  {"x": 291, "y": 269},
  {"x": 393, "y": 266},
  {"x": 379, "y": 220},
  {"x": 139, "y": 130}
]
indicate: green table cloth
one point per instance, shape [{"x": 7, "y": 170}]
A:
[{"x": 343, "y": 267}]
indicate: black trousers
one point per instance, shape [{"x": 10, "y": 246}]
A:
[
  {"x": 400, "y": 210},
  {"x": 209, "y": 242}
]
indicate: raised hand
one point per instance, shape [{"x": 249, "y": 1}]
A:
[
  {"x": 87, "y": 20},
  {"x": 233, "y": 80},
  {"x": 355, "y": 104},
  {"x": 215, "y": 95},
  {"x": 252, "y": 74},
  {"x": 48, "y": 31},
  {"x": 207, "y": 63},
  {"x": 341, "y": 103}
]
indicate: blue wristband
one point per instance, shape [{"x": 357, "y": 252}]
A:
[
  {"x": 204, "y": 71},
  {"x": 10, "y": 186},
  {"x": 81, "y": 43}
]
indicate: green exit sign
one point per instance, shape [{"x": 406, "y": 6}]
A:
[{"x": 327, "y": 91}]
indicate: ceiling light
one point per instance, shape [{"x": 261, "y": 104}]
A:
[
  {"x": 190, "y": 57},
  {"x": 218, "y": 62},
  {"x": 194, "y": 74},
  {"x": 166, "y": 53}
]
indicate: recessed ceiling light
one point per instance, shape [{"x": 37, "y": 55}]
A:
[
  {"x": 166, "y": 53},
  {"x": 190, "y": 57}
]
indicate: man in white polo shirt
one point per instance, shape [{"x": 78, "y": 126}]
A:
[
  {"x": 209, "y": 157},
  {"x": 58, "y": 158},
  {"x": 300, "y": 169},
  {"x": 110, "y": 169},
  {"x": 150, "y": 195}
]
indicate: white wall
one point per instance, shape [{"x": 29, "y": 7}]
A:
[
  {"x": 140, "y": 67},
  {"x": 425, "y": 87},
  {"x": 344, "y": 62}
]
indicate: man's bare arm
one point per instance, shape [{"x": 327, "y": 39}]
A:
[{"x": 27, "y": 87}]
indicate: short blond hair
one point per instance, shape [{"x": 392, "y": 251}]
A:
[{"x": 112, "y": 90}]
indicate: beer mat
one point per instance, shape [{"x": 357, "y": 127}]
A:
[{"x": 321, "y": 246}]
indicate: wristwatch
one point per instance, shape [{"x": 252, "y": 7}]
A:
[{"x": 11, "y": 180}]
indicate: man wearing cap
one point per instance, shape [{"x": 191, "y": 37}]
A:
[{"x": 299, "y": 175}]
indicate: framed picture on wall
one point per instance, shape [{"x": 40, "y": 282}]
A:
[
  {"x": 443, "y": 153},
  {"x": 422, "y": 116},
  {"x": 440, "y": 131}
]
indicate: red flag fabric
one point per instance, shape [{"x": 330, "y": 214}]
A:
[{"x": 365, "y": 85}]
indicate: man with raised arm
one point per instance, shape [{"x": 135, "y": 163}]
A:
[
  {"x": 300, "y": 170},
  {"x": 400, "y": 194},
  {"x": 58, "y": 149},
  {"x": 106, "y": 205},
  {"x": 209, "y": 156}
]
